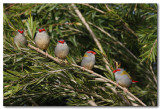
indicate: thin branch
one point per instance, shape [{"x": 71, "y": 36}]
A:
[
  {"x": 85, "y": 4},
  {"x": 123, "y": 22},
  {"x": 152, "y": 48},
  {"x": 113, "y": 38},
  {"x": 90, "y": 71},
  {"x": 93, "y": 35},
  {"x": 92, "y": 103},
  {"x": 109, "y": 10},
  {"x": 9, "y": 6}
]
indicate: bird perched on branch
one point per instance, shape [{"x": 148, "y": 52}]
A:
[
  {"x": 42, "y": 40},
  {"x": 20, "y": 39},
  {"x": 123, "y": 78},
  {"x": 88, "y": 60},
  {"x": 62, "y": 49}
]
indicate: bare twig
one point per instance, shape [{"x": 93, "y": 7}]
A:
[
  {"x": 92, "y": 103},
  {"x": 9, "y": 6},
  {"x": 109, "y": 10},
  {"x": 113, "y": 38},
  {"x": 85, "y": 4},
  {"x": 123, "y": 22},
  {"x": 90, "y": 71}
]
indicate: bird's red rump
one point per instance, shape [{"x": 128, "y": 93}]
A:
[{"x": 133, "y": 81}]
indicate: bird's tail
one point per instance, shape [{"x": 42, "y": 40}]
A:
[{"x": 133, "y": 81}]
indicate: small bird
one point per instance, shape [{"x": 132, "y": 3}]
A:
[
  {"x": 88, "y": 60},
  {"x": 62, "y": 49},
  {"x": 123, "y": 78},
  {"x": 42, "y": 40},
  {"x": 20, "y": 39}
]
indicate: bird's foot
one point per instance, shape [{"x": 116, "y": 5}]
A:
[
  {"x": 117, "y": 85},
  {"x": 37, "y": 49},
  {"x": 125, "y": 89},
  {"x": 59, "y": 60},
  {"x": 83, "y": 68},
  {"x": 65, "y": 61},
  {"x": 46, "y": 54}
]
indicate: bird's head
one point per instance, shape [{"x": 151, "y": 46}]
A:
[
  {"x": 20, "y": 31},
  {"x": 41, "y": 30},
  {"x": 89, "y": 53}
]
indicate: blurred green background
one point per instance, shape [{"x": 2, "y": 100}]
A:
[{"x": 127, "y": 33}]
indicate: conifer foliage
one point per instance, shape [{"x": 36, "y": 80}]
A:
[{"x": 119, "y": 33}]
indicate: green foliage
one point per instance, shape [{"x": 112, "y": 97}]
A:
[{"x": 32, "y": 79}]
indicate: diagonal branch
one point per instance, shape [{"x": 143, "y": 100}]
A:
[
  {"x": 92, "y": 35},
  {"x": 90, "y": 71}
]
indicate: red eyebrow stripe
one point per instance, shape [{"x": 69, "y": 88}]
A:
[
  {"x": 93, "y": 52},
  {"x": 89, "y": 52},
  {"x": 116, "y": 70},
  {"x": 61, "y": 41}
]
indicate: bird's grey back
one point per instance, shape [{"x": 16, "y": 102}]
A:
[
  {"x": 20, "y": 39},
  {"x": 124, "y": 79},
  {"x": 61, "y": 50},
  {"x": 90, "y": 59}
]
